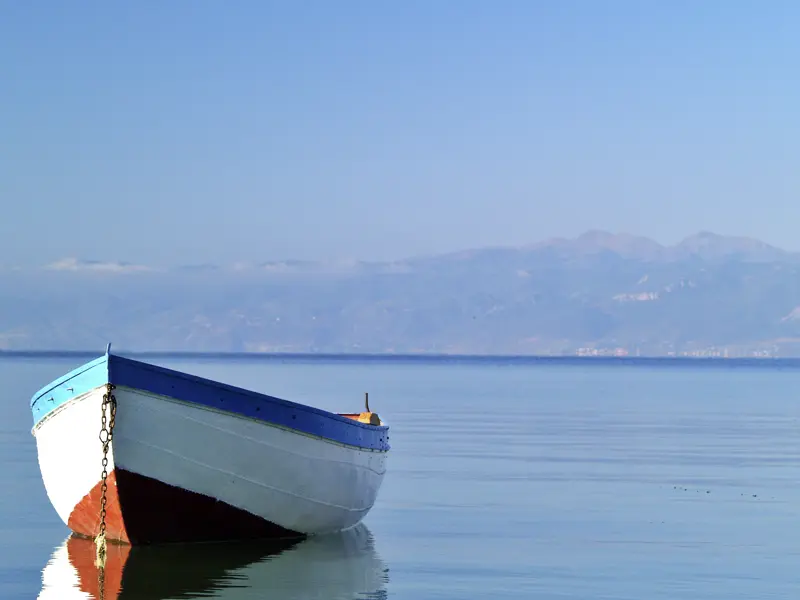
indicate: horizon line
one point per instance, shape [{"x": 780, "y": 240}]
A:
[{"x": 422, "y": 356}]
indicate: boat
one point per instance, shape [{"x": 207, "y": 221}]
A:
[
  {"x": 136, "y": 453},
  {"x": 343, "y": 565}
]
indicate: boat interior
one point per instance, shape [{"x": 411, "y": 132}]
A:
[{"x": 369, "y": 418}]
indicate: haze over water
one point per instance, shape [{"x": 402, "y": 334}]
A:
[{"x": 573, "y": 480}]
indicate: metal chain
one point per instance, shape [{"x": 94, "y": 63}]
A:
[{"x": 106, "y": 435}]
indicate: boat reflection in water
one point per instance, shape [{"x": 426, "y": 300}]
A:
[{"x": 341, "y": 565}]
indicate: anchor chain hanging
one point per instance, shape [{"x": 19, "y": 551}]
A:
[{"x": 106, "y": 435}]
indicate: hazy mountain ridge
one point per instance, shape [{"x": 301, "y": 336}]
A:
[{"x": 599, "y": 290}]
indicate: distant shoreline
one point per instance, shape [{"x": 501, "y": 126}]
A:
[{"x": 650, "y": 361}]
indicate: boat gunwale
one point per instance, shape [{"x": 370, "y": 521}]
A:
[
  {"x": 66, "y": 405},
  {"x": 148, "y": 372},
  {"x": 79, "y": 370},
  {"x": 252, "y": 394}
]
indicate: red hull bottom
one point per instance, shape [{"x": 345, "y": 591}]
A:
[{"x": 143, "y": 510}]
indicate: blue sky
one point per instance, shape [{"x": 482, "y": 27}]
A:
[{"x": 191, "y": 132}]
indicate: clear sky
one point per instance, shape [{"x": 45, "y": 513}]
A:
[{"x": 207, "y": 131}]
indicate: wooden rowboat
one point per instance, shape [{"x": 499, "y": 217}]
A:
[{"x": 140, "y": 454}]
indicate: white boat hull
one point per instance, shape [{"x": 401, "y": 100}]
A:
[{"x": 184, "y": 471}]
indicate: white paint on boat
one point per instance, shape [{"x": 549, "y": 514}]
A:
[
  {"x": 70, "y": 452},
  {"x": 300, "y": 482}
]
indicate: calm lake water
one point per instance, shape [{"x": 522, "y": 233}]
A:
[{"x": 505, "y": 481}]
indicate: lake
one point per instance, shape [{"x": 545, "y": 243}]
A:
[{"x": 506, "y": 480}]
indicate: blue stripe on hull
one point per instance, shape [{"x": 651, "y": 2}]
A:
[
  {"x": 134, "y": 374},
  {"x": 78, "y": 381}
]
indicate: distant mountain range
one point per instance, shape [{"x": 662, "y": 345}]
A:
[{"x": 599, "y": 293}]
